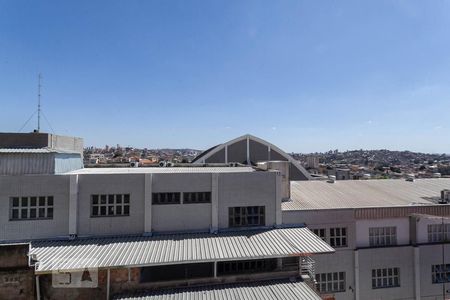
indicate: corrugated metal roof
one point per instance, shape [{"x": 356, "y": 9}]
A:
[
  {"x": 170, "y": 249},
  {"x": 34, "y": 150},
  {"x": 364, "y": 193},
  {"x": 163, "y": 170},
  {"x": 267, "y": 290}
]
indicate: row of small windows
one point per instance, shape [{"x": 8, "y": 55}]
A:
[
  {"x": 336, "y": 237},
  {"x": 385, "y": 278},
  {"x": 106, "y": 205},
  {"x": 438, "y": 233},
  {"x": 382, "y": 236},
  {"x": 175, "y": 198},
  {"x": 334, "y": 282},
  {"x": 440, "y": 273},
  {"x": 31, "y": 208},
  {"x": 247, "y": 216}
]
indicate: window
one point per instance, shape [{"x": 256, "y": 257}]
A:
[
  {"x": 330, "y": 282},
  {"x": 338, "y": 237},
  {"x": 197, "y": 197},
  {"x": 110, "y": 205},
  {"x": 247, "y": 216},
  {"x": 166, "y": 198},
  {"x": 290, "y": 263},
  {"x": 176, "y": 272},
  {"x": 440, "y": 273},
  {"x": 31, "y": 208},
  {"x": 320, "y": 233},
  {"x": 385, "y": 278},
  {"x": 438, "y": 233},
  {"x": 382, "y": 236},
  {"x": 246, "y": 266}
]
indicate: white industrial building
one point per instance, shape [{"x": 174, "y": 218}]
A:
[{"x": 234, "y": 225}]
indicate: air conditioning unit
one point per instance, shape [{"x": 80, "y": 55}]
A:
[
  {"x": 134, "y": 164},
  {"x": 331, "y": 179},
  {"x": 162, "y": 164},
  {"x": 445, "y": 196},
  {"x": 169, "y": 164}
]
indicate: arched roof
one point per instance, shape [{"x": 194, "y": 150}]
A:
[{"x": 250, "y": 149}]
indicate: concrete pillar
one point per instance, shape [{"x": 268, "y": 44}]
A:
[
  {"x": 279, "y": 264},
  {"x": 278, "y": 197},
  {"x": 73, "y": 205},
  {"x": 248, "y": 151},
  {"x": 417, "y": 273},
  {"x": 226, "y": 154},
  {"x": 356, "y": 253},
  {"x": 214, "y": 202},
  {"x": 148, "y": 182}
]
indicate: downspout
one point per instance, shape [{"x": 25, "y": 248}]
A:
[
  {"x": 38, "y": 288},
  {"x": 108, "y": 279}
]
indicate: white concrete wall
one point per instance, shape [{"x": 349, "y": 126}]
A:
[
  {"x": 432, "y": 255},
  {"x": 91, "y": 184},
  {"x": 181, "y": 217},
  {"x": 247, "y": 189},
  {"x": 34, "y": 185},
  {"x": 422, "y": 227},
  {"x": 379, "y": 258},
  {"x": 341, "y": 261},
  {"x": 362, "y": 230},
  {"x": 324, "y": 219}
]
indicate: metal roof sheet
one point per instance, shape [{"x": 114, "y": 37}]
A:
[
  {"x": 267, "y": 290},
  {"x": 163, "y": 170},
  {"x": 178, "y": 248},
  {"x": 34, "y": 151},
  {"x": 364, "y": 193}
]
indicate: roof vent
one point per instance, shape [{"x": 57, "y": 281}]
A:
[
  {"x": 445, "y": 197},
  {"x": 410, "y": 177},
  {"x": 331, "y": 179}
]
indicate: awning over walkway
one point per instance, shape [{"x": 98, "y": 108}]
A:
[
  {"x": 174, "y": 249},
  {"x": 268, "y": 290}
]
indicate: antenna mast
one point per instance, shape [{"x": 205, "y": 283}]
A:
[{"x": 39, "y": 103}]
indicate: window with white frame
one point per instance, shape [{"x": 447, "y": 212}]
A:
[
  {"x": 333, "y": 282},
  {"x": 440, "y": 273},
  {"x": 338, "y": 237},
  {"x": 320, "y": 232},
  {"x": 382, "y": 236},
  {"x": 438, "y": 233},
  {"x": 31, "y": 208},
  {"x": 385, "y": 278},
  {"x": 108, "y": 205}
]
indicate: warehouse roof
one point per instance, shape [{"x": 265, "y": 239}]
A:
[
  {"x": 364, "y": 193},
  {"x": 163, "y": 170},
  {"x": 170, "y": 249},
  {"x": 266, "y": 290},
  {"x": 248, "y": 155}
]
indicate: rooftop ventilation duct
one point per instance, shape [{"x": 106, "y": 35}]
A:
[{"x": 445, "y": 197}]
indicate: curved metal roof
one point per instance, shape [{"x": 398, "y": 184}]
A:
[{"x": 202, "y": 157}]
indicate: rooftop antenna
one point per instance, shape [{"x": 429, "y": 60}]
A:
[
  {"x": 39, "y": 103},
  {"x": 38, "y": 111}
]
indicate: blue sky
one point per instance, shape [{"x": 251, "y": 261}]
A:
[{"x": 305, "y": 75}]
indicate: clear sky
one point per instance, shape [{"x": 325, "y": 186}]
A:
[{"x": 304, "y": 75}]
